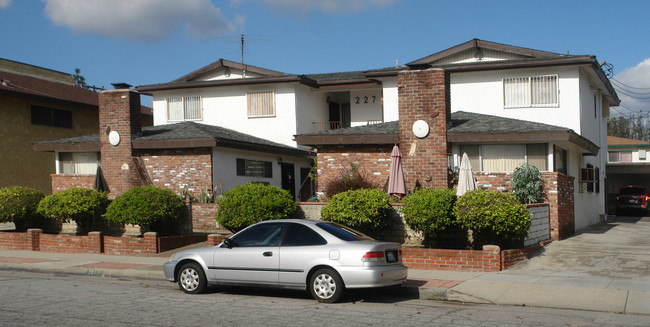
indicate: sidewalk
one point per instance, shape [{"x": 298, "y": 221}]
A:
[{"x": 543, "y": 289}]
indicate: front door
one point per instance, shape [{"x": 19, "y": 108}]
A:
[{"x": 288, "y": 178}]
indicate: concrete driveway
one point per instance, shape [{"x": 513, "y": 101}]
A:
[{"x": 619, "y": 248}]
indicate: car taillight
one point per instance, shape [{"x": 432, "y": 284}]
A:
[{"x": 373, "y": 257}]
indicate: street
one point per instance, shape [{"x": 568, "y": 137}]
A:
[{"x": 30, "y": 299}]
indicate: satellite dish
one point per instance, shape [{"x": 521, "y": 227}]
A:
[{"x": 420, "y": 129}]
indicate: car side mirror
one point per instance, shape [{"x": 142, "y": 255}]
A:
[{"x": 228, "y": 243}]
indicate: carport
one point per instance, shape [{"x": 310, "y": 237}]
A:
[{"x": 628, "y": 164}]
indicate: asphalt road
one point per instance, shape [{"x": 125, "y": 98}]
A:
[{"x": 37, "y": 299}]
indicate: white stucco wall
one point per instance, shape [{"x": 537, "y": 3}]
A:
[
  {"x": 227, "y": 107},
  {"x": 390, "y": 98},
  {"x": 482, "y": 92},
  {"x": 225, "y": 168}
]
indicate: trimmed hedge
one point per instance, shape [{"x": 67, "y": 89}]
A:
[
  {"x": 494, "y": 218},
  {"x": 247, "y": 204},
  {"x": 365, "y": 209},
  {"x": 78, "y": 204},
  {"x": 19, "y": 204},
  {"x": 429, "y": 210},
  {"x": 148, "y": 206}
]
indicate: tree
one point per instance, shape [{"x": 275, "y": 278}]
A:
[
  {"x": 79, "y": 80},
  {"x": 632, "y": 127}
]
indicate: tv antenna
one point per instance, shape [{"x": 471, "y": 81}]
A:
[{"x": 243, "y": 40}]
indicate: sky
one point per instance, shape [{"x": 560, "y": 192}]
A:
[{"x": 143, "y": 42}]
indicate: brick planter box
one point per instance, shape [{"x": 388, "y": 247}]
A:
[{"x": 95, "y": 242}]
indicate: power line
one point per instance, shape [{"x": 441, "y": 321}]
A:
[{"x": 632, "y": 87}]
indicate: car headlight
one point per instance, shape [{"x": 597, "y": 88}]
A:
[{"x": 171, "y": 258}]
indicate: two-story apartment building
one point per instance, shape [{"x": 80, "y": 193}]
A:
[{"x": 502, "y": 105}]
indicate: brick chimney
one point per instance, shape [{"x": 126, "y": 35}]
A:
[
  {"x": 424, "y": 95},
  {"x": 119, "y": 122}
]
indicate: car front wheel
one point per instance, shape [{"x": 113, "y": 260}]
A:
[
  {"x": 326, "y": 286},
  {"x": 191, "y": 278}
]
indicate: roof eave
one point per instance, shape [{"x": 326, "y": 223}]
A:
[
  {"x": 312, "y": 140},
  {"x": 225, "y": 82}
]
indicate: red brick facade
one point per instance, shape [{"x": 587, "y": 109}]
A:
[
  {"x": 62, "y": 182},
  {"x": 373, "y": 162},
  {"x": 204, "y": 217},
  {"x": 119, "y": 111},
  {"x": 424, "y": 95},
  {"x": 180, "y": 169}
]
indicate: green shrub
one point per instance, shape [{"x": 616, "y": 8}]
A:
[
  {"x": 18, "y": 204},
  {"x": 148, "y": 206},
  {"x": 365, "y": 209},
  {"x": 78, "y": 204},
  {"x": 429, "y": 210},
  {"x": 527, "y": 184},
  {"x": 350, "y": 179},
  {"x": 248, "y": 204},
  {"x": 493, "y": 217}
]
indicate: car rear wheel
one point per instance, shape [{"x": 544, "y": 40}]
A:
[
  {"x": 326, "y": 286},
  {"x": 191, "y": 278}
]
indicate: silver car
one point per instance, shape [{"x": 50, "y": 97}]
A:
[{"x": 323, "y": 257}]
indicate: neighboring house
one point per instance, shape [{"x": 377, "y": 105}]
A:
[
  {"x": 628, "y": 164},
  {"x": 39, "y": 104}
]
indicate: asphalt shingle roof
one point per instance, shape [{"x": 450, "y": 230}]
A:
[
  {"x": 186, "y": 130},
  {"x": 468, "y": 122}
]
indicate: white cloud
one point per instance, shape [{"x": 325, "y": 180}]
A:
[
  {"x": 5, "y": 3},
  {"x": 633, "y": 88},
  {"x": 147, "y": 20},
  {"x": 326, "y": 6}
]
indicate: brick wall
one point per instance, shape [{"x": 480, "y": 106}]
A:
[
  {"x": 180, "y": 169},
  {"x": 424, "y": 95},
  {"x": 64, "y": 182},
  {"x": 373, "y": 162},
  {"x": 119, "y": 110},
  {"x": 558, "y": 193},
  {"x": 204, "y": 217},
  {"x": 491, "y": 258},
  {"x": 96, "y": 242}
]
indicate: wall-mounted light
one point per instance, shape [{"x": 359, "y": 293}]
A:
[{"x": 279, "y": 160}]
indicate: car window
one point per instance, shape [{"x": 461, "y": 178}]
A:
[
  {"x": 342, "y": 232},
  {"x": 260, "y": 235},
  {"x": 632, "y": 191},
  {"x": 301, "y": 235}
]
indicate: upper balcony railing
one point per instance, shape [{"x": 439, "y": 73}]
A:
[{"x": 320, "y": 126}]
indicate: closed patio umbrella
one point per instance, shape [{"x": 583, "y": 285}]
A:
[
  {"x": 100, "y": 183},
  {"x": 465, "y": 177},
  {"x": 396, "y": 184}
]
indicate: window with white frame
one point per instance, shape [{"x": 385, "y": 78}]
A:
[
  {"x": 261, "y": 104},
  {"x": 620, "y": 156},
  {"x": 506, "y": 157},
  {"x": 80, "y": 163},
  {"x": 184, "y": 108},
  {"x": 531, "y": 91}
]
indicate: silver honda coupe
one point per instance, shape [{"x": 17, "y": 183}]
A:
[{"x": 323, "y": 257}]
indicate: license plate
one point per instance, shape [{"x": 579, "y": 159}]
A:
[{"x": 391, "y": 256}]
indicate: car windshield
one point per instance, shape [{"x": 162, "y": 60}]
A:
[
  {"x": 342, "y": 232},
  {"x": 632, "y": 191}
]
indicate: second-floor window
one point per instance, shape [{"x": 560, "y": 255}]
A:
[
  {"x": 531, "y": 91},
  {"x": 620, "y": 156},
  {"x": 261, "y": 104},
  {"x": 184, "y": 108},
  {"x": 47, "y": 116}
]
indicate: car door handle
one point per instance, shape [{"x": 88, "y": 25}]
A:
[{"x": 268, "y": 254}]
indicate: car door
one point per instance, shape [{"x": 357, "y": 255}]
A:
[
  {"x": 302, "y": 248},
  {"x": 253, "y": 258}
]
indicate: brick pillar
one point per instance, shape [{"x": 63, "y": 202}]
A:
[
  {"x": 34, "y": 238},
  {"x": 424, "y": 95},
  {"x": 119, "y": 111},
  {"x": 491, "y": 258},
  {"x": 151, "y": 245},
  {"x": 96, "y": 240}
]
